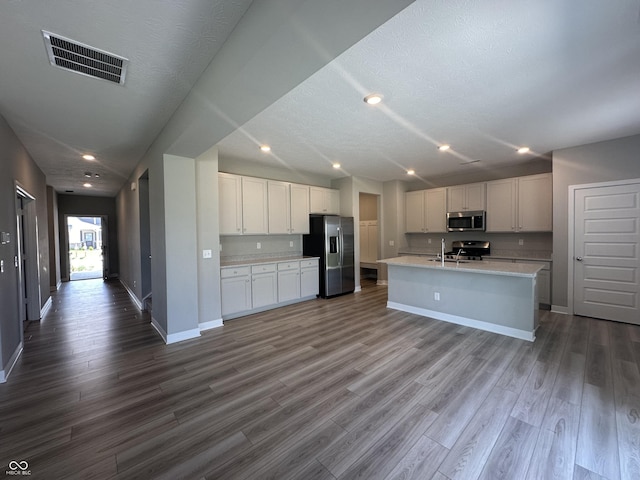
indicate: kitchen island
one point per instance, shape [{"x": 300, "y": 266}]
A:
[{"x": 493, "y": 296}]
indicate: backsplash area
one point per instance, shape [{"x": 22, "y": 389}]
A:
[
  {"x": 533, "y": 244},
  {"x": 245, "y": 247}
]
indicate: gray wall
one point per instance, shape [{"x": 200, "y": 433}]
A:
[
  {"x": 87, "y": 206},
  {"x": 263, "y": 58},
  {"x": 17, "y": 165},
  {"x": 54, "y": 239},
  {"x": 597, "y": 162}
]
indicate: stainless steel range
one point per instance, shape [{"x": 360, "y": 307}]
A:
[{"x": 468, "y": 250}]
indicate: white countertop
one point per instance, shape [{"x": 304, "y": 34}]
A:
[
  {"x": 257, "y": 261},
  {"x": 504, "y": 255},
  {"x": 487, "y": 267}
]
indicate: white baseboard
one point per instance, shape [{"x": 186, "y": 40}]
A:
[
  {"x": 182, "y": 336},
  {"x": 559, "y": 309},
  {"x": 357, "y": 289},
  {"x": 467, "y": 322},
  {"x": 159, "y": 329},
  {"x": 174, "y": 337},
  {"x": 46, "y": 307},
  {"x": 211, "y": 324},
  {"x": 382, "y": 282},
  {"x": 134, "y": 299},
  {"x": 4, "y": 374}
]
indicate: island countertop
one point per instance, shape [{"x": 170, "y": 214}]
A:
[{"x": 486, "y": 267}]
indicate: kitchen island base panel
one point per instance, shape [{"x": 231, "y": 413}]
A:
[
  {"x": 498, "y": 303},
  {"x": 467, "y": 322}
]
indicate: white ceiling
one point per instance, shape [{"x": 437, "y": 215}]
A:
[
  {"x": 484, "y": 77},
  {"x": 59, "y": 115}
]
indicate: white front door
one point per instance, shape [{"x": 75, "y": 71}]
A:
[{"x": 607, "y": 252}]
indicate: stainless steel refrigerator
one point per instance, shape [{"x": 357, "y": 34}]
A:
[{"x": 331, "y": 238}]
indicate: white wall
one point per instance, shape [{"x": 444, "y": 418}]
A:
[{"x": 597, "y": 162}]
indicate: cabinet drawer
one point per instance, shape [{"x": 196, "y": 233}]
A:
[
  {"x": 288, "y": 266},
  {"x": 269, "y": 267},
  {"x": 228, "y": 272},
  {"x": 309, "y": 263}
]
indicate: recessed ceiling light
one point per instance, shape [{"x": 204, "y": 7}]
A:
[
  {"x": 87, "y": 185},
  {"x": 524, "y": 150},
  {"x": 443, "y": 148},
  {"x": 336, "y": 165},
  {"x": 373, "y": 99},
  {"x": 87, "y": 174},
  {"x": 88, "y": 157},
  {"x": 97, "y": 175},
  {"x": 411, "y": 171},
  {"x": 265, "y": 148}
]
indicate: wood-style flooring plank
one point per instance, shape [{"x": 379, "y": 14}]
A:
[
  {"x": 368, "y": 391},
  {"x": 469, "y": 454},
  {"x": 512, "y": 452}
]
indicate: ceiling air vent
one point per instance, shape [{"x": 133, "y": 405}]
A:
[{"x": 83, "y": 59}]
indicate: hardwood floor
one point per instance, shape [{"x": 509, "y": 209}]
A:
[{"x": 327, "y": 389}]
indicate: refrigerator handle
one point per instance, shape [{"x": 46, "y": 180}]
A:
[{"x": 340, "y": 248}]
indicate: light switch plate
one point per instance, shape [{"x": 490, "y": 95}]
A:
[
  {"x": 206, "y": 254},
  {"x": 391, "y": 243},
  {"x": 258, "y": 245}
]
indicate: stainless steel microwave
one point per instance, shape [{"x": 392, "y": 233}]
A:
[{"x": 466, "y": 221}]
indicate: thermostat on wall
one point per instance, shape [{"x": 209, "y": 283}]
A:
[{"x": 5, "y": 238}]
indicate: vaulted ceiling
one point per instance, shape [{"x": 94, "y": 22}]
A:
[{"x": 483, "y": 77}]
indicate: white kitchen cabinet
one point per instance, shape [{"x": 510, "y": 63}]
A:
[
  {"x": 279, "y": 207},
  {"x": 324, "y": 200},
  {"x": 264, "y": 285},
  {"x": 368, "y": 241},
  {"x": 299, "y": 195},
  {"x": 521, "y": 204},
  {"x": 535, "y": 203},
  {"x": 425, "y": 211},
  {"x": 235, "y": 289},
  {"x": 255, "y": 217},
  {"x": 288, "y": 281},
  {"x": 501, "y": 205},
  {"x": 309, "y": 278},
  {"x": 230, "y": 203},
  {"x": 469, "y": 197}
]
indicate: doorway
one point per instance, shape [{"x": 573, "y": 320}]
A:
[
  {"x": 145, "y": 239},
  {"x": 27, "y": 257},
  {"x": 604, "y": 262},
  {"x": 85, "y": 247},
  {"x": 369, "y": 245}
]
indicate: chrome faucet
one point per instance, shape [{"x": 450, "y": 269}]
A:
[{"x": 458, "y": 256}]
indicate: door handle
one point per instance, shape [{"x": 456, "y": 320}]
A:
[{"x": 579, "y": 259}]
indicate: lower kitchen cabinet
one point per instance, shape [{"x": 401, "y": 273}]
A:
[
  {"x": 309, "y": 278},
  {"x": 235, "y": 286},
  {"x": 288, "y": 281},
  {"x": 256, "y": 287},
  {"x": 264, "y": 285}
]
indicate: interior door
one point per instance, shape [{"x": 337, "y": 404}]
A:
[
  {"x": 607, "y": 252},
  {"x": 105, "y": 246}
]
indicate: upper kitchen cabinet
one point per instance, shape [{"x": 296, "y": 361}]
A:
[
  {"x": 279, "y": 207},
  {"x": 521, "y": 204},
  {"x": 288, "y": 207},
  {"x": 470, "y": 197},
  {"x": 535, "y": 203},
  {"x": 299, "y": 208},
  {"x": 425, "y": 211},
  {"x": 324, "y": 200},
  {"x": 230, "y": 199},
  {"x": 255, "y": 215}
]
